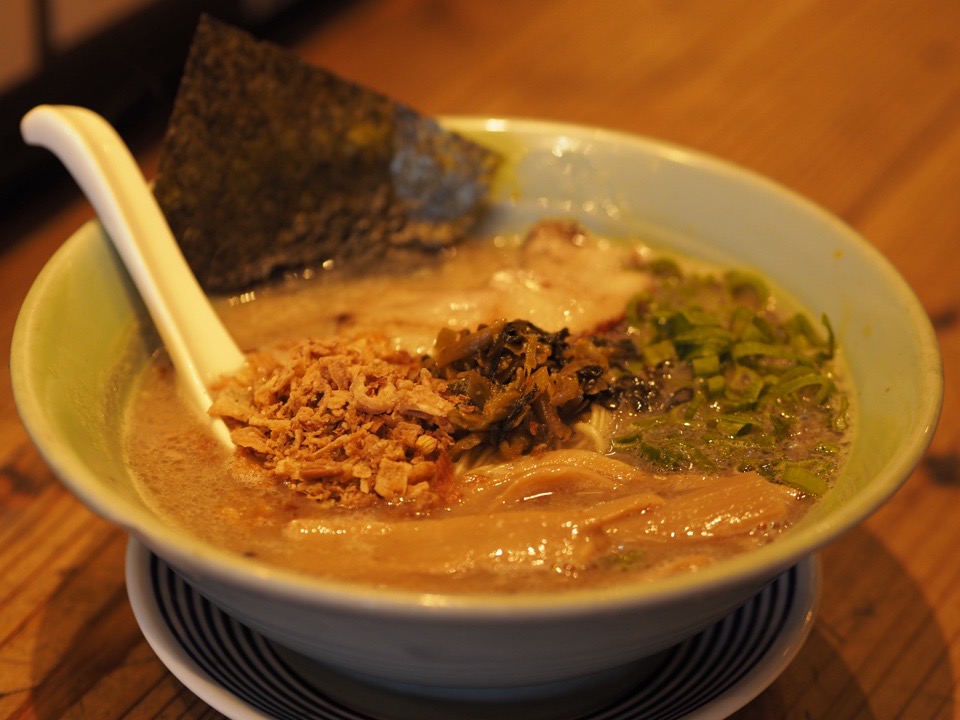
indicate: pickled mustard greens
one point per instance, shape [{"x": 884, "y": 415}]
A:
[{"x": 519, "y": 387}]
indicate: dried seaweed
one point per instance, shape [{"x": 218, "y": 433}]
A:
[{"x": 270, "y": 164}]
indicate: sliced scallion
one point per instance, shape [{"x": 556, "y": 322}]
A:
[
  {"x": 823, "y": 384},
  {"x": 743, "y": 350},
  {"x": 802, "y": 479},
  {"x": 659, "y": 353},
  {"x": 706, "y": 365}
]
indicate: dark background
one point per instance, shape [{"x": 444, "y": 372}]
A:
[{"x": 128, "y": 72}]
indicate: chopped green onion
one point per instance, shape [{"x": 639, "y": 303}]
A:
[
  {"x": 741, "y": 323},
  {"x": 674, "y": 454},
  {"x": 734, "y": 425},
  {"x": 704, "y": 335},
  {"x": 744, "y": 379},
  {"x": 625, "y": 441},
  {"x": 716, "y": 385},
  {"x": 751, "y": 332},
  {"x": 840, "y": 420},
  {"x": 831, "y": 339},
  {"x": 754, "y": 375},
  {"x": 659, "y": 352},
  {"x": 657, "y": 456},
  {"x": 691, "y": 410},
  {"x": 706, "y": 365},
  {"x": 792, "y": 385},
  {"x": 677, "y": 324},
  {"x": 766, "y": 327},
  {"x": 759, "y": 349},
  {"x": 695, "y": 459},
  {"x": 748, "y": 397},
  {"x": 802, "y": 479},
  {"x": 799, "y": 327},
  {"x": 698, "y": 317},
  {"x": 780, "y": 425},
  {"x": 739, "y": 281}
]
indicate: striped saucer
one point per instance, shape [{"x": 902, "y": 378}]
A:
[{"x": 247, "y": 677}]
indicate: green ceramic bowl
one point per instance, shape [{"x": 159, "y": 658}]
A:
[{"x": 82, "y": 334}]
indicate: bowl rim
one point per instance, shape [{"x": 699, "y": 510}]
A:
[{"x": 195, "y": 558}]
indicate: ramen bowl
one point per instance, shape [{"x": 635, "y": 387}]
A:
[{"x": 83, "y": 333}]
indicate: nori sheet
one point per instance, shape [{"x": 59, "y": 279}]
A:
[{"x": 270, "y": 164}]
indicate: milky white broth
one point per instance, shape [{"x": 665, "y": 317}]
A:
[{"x": 581, "y": 520}]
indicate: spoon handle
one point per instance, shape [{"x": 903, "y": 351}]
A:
[{"x": 198, "y": 344}]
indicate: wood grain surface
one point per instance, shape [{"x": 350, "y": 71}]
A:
[{"x": 853, "y": 104}]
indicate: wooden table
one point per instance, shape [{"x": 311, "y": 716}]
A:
[{"x": 854, "y": 104}]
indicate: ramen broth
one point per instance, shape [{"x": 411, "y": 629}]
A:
[{"x": 599, "y": 507}]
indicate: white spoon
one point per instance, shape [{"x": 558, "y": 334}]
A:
[{"x": 198, "y": 344}]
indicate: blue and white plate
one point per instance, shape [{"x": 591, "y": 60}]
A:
[{"x": 247, "y": 677}]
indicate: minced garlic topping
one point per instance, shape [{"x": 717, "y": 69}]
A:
[{"x": 344, "y": 421}]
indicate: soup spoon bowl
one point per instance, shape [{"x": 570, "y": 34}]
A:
[{"x": 199, "y": 345}]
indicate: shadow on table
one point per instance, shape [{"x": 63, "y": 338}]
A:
[{"x": 876, "y": 649}]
